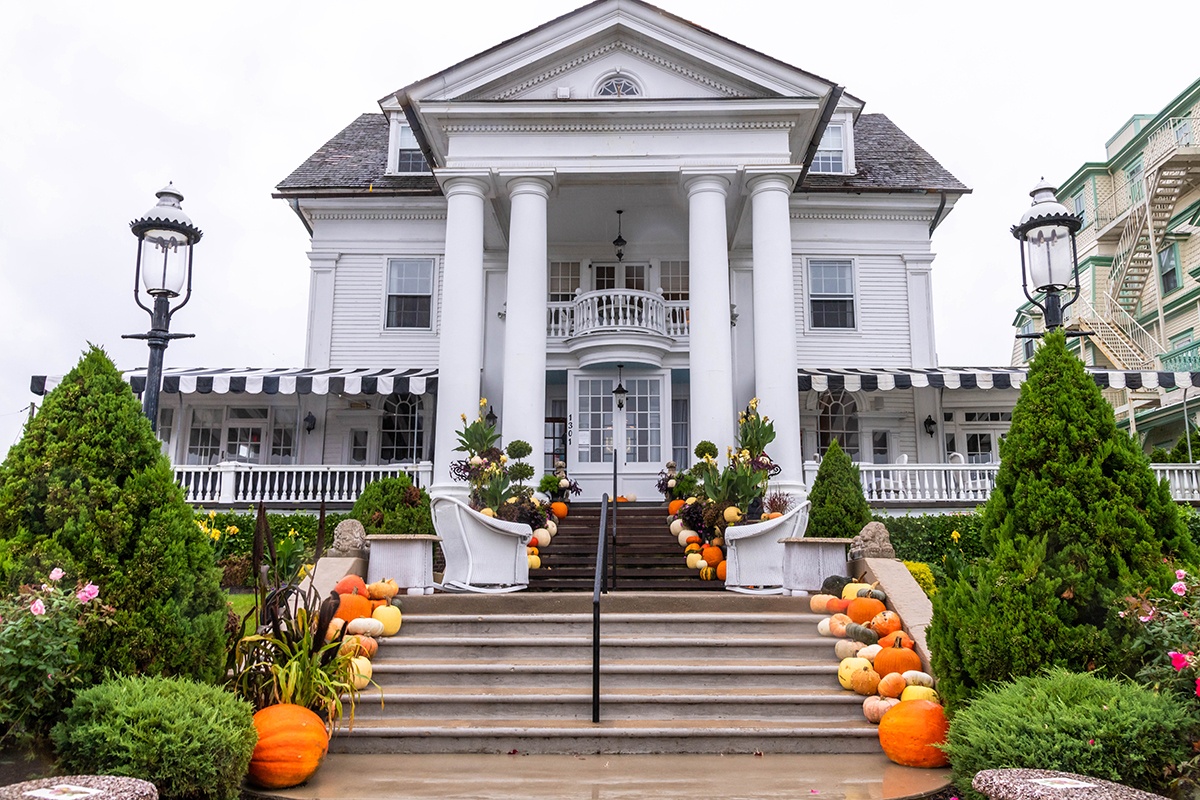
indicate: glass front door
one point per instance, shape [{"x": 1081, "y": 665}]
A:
[{"x": 597, "y": 430}]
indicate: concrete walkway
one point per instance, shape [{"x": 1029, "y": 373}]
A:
[{"x": 615, "y": 777}]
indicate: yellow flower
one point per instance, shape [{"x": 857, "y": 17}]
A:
[
  {"x": 463, "y": 417},
  {"x": 483, "y": 402},
  {"x": 291, "y": 533},
  {"x": 232, "y": 530},
  {"x": 304, "y": 570},
  {"x": 503, "y": 458},
  {"x": 753, "y": 403},
  {"x": 955, "y": 536}
]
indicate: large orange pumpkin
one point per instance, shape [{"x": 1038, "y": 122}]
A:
[
  {"x": 885, "y": 622},
  {"x": 291, "y": 743},
  {"x": 674, "y": 507},
  {"x": 910, "y": 729},
  {"x": 353, "y": 606},
  {"x": 896, "y": 658},
  {"x": 862, "y": 609},
  {"x": 351, "y": 584},
  {"x": 559, "y": 509},
  {"x": 712, "y": 555}
]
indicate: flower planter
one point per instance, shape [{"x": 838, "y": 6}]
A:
[
  {"x": 808, "y": 561},
  {"x": 406, "y": 558}
]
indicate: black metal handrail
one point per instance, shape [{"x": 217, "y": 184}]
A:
[{"x": 599, "y": 586}]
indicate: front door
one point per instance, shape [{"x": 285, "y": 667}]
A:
[{"x": 639, "y": 425}]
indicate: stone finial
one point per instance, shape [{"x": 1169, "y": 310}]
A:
[
  {"x": 872, "y": 542},
  {"x": 349, "y": 540}
]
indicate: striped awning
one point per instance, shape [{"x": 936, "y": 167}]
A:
[
  {"x": 882, "y": 379},
  {"x": 252, "y": 380}
]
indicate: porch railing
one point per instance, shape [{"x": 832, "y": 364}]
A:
[
  {"x": 616, "y": 310},
  {"x": 972, "y": 484},
  {"x": 233, "y": 483}
]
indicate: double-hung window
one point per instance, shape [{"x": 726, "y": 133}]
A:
[
  {"x": 410, "y": 293},
  {"x": 1079, "y": 202},
  {"x": 831, "y": 152},
  {"x": 1168, "y": 268},
  {"x": 409, "y": 157},
  {"x": 831, "y": 293}
]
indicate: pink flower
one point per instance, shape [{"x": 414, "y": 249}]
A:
[
  {"x": 1180, "y": 574},
  {"x": 88, "y": 592},
  {"x": 1179, "y": 588},
  {"x": 1121, "y": 614},
  {"x": 37, "y": 607},
  {"x": 1091, "y": 741},
  {"x": 1197, "y": 687},
  {"x": 1179, "y": 660},
  {"x": 56, "y": 574}
]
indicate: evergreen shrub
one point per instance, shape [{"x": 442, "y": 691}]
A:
[
  {"x": 839, "y": 509},
  {"x": 1077, "y": 522},
  {"x": 394, "y": 505},
  {"x": 88, "y": 489},
  {"x": 1071, "y": 722},
  {"x": 192, "y": 741}
]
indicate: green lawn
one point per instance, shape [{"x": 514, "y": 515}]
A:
[{"x": 242, "y": 603}]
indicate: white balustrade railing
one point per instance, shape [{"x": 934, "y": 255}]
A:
[
  {"x": 616, "y": 310},
  {"x": 233, "y": 483}
]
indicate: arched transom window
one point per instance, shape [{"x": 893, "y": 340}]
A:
[
  {"x": 402, "y": 433},
  {"x": 837, "y": 418},
  {"x": 619, "y": 86}
]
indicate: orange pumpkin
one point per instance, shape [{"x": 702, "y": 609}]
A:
[
  {"x": 885, "y": 622},
  {"x": 896, "y": 658},
  {"x": 904, "y": 639},
  {"x": 693, "y": 540},
  {"x": 291, "y": 743},
  {"x": 692, "y": 548},
  {"x": 674, "y": 507},
  {"x": 359, "y": 645},
  {"x": 863, "y": 609},
  {"x": 351, "y": 584},
  {"x": 909, "y": 732},
  {"x": 865, "y": 681},
  {"x": 559, "y": 509},
  {"x": 837, "y": 606},
  {"x": 838, "y": 623},
  {"x": 891, "y": 685},
  {"x": 353, "y": 606},
  {"x": 721, "y": 571},
  {"x": 712, "y": 555}
]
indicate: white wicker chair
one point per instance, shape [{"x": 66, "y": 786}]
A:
[
  {"x": 483, "y": 554},
  {"x": 754, "y": 554}
]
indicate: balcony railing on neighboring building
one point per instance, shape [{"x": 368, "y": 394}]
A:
[
  {"x": 1163, "y": 143},
  {"x": 616, "y": 311},
  {"x": 1184, "y": 359},
  {"x": 298, "y": 486}
]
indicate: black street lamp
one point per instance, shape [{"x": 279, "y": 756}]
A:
[
  {"x": 1049, "y": 261},
  {"x": 164, "y": 267}
]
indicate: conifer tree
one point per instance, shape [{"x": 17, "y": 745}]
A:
[
  {"x": 839, "y": 509},
  {"x": 1076, "y": 523},
  {"x": 87, "y": 489}
]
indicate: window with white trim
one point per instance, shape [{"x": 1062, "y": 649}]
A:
[
  {"x": 409, "y": 157},
  {"x": 564, "y": 280},
  {"x": 831, "y": 152},
  {"x": 1028, "y": 345},
  {"x": 680, "y": 435},
  {"x": 166, "y": 423},
  {"x": 402, "y": 430},
  {"x": 673, "y": 279},
  {"x": 284, "y": 424},
  {"x": 881, "y": 448},
  {"x": 831, "y": 293},
  {"x": 594, "y": 435},
  {"x": 357, "y": 442},
  {"x": 244, "y": 434},
  {"x": 837, "y": 418},
  {"x": 1168, "y": 268},
  {"x": 204, "y": 436},
  {"x": 1079, "y": 204},
  {"x": 643, "y": 421},
  {"x": 410, "y": 293}
]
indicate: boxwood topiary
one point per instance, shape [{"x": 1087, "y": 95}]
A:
[
  {"x": 393, "y": 505},
  {"x": 190, "y": 740},
  {"x": 1072, "y": 722}
]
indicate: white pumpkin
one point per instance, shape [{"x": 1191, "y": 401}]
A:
[
  {"x": 676, "y": 527},
  {"x": 366, "y": 626},
  {"x": 360, "y": 668},
  {"x": 869, "y": 652},
  {"x": 823, "y": 627},
  {"x": 552, "y": 526},
  {"x": 845, "y": 648},
  {"x": 694, "y": 561},
  {"x": 914, "y": 677},
  {"x": 541, "y": 538}
]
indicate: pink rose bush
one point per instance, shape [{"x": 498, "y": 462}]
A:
[{"x": 1171, "y": 636}]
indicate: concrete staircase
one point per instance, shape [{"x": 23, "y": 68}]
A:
[
  {"x": 648, "y": 557},
  {"x": 680, "y": 673}
]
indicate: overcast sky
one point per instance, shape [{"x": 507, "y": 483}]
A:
[{"x": 101, "y": 104}]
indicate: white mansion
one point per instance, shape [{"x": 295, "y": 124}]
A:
[{"x": 616, "y": 195}]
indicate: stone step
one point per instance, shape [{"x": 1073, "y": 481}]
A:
[
  {"x": 613, "y": 647},
  {"x": 619, "y": 602},
  {"x": 611, "y": 735},
  {"x": 663, "y": 674},
  {"x": 796, "y": 625}
]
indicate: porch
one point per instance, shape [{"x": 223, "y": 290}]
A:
[{"x": 894, "y": 488}]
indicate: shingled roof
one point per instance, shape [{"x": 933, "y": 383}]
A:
[{"x": 356, "y": 159}]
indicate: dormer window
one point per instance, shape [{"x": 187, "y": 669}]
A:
[
  {"x": 409, "y": 157},
  {"x": 831, "y": 153},
  {"x": 619, "y": 86}
]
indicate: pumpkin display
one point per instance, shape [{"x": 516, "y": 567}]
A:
[
  {"x": 552, "y": 526},
  {"x": 733, "y": 515},
  {"x": 383, "y": 590},
  {"x": 850, "y": 590},
  {"x": 365, "y": 626},
  {"x": 359, "y": 646},
  {"x": 875, "y": 707},
  {"x": 864, "y": 681},
  {"x": 291, "y": 743},
  {"x": 691, "y": 548},
  {"x": 712, "y": 555},
  {"x": 861, "y": 633},
  {"x": 559, "y": 509},
  {"x": 676, "y": 527},
  {"x": 708, "y": 573},
  {"x": 535, "y": 561},
  {"x": 674, "y": 506},
  {"x": 834, "y": 585},
  {"x": 878, "y": 594},
  {"x": 360, "y": 671},
  {"x": 694, "y": 560},
  {"x": 335, "y": 629},
  {"x": 863, "y": 609},
  {"x": 904, "y": 639},
  {"x": 390, "y": 617},
  {"x": 847, "y": 648},
  {"x": 836, "y": 606},
  {"x": 909, "y": 732},
  {"x": 920, "y": 693},
  {"x": 721, "y": 570},
  {"x": 885, "y": 622},
  {"x": 892, "y": 685},
  {"x": 823, "y": 627},
  {"x": 540, "y": 538},
  {"x": 685, "y": 537},
  {"x": 896, "y": 658},
  {"x": 838, "y": 623},
  {"x": 848, "y": 667},
  {"x": 353, "y": 606},
  {"x": 351, "y": 584},
  {"x": 914, "y": 677},
  {"x": 693, "y": 539},
  {"x": 531, "y": 551},
  {"x": 869, "y": 651},
  {"x": 817, "y": 603}
]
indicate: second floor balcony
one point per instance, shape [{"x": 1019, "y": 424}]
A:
[{"x": 633, "y": 317}]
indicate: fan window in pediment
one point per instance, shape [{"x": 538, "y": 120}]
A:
[{"x": 619, "y": 86}]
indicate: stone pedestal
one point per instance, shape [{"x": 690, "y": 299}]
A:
[
  {"x": 807, "y": 562},
  {"x": 405, "y": 558}
]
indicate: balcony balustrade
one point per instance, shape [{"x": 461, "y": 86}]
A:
[{"x": 617, "y": 311}]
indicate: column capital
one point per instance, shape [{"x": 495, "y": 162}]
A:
[
  {"x": 455, "y": 183},
  {"x": 323, "y": 262},
  {"x": 706, "y": 181},
  {"x": 537, "y": 184},
  {"x": 775, "y": 179}
]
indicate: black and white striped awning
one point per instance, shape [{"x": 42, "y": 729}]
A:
[
  {"x": 883, "y": 379},
  {"x": 251, "y": 380}
]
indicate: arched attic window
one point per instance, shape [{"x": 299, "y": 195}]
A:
[{"x": 618, "y": 86}]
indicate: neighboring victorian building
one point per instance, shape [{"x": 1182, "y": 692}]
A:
[{"x": 1139, "y": 259}]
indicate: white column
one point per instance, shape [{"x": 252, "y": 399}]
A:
[
  {"x": 710, "y": 357},
  {"x": 775, "y": 323},
  {"x": 523, "y": 410},
  {"x": 919, "y": 267},
  {"x": 323, "y": 268},
  {"x": 460, "y": 327}
]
